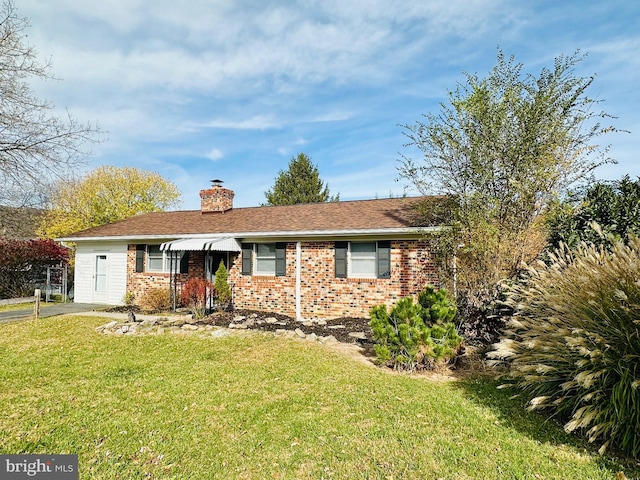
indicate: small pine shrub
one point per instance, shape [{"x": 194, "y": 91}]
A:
[
  {"x": 436, "y": 307},
  {"x": 416, "y": 335},
  {"x": 195, "y": 293},
  {"x": 223, "y": 290},
  {"x": 156, "y": 300},
  {"x": 573, "y": 344}
]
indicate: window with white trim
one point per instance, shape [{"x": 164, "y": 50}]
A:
[
  {"x": 159, "y": 261},
  {"x": 362, "y": 260},
  {"x": 265, "y": 258}
]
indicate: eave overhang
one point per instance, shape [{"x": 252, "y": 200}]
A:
[{"x": 405, "y": 232}]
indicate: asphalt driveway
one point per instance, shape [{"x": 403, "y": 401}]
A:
[{"x": 50, "y": 311}]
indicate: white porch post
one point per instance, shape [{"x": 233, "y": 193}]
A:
[{"x": 298, "y": 273}]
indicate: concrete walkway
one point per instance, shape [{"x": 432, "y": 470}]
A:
[{"x": 52, "y": 311}]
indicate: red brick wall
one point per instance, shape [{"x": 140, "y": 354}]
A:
[
  {"x": 322, "y": 295},
  {"x": 140, "y": 283},
  {"x": 269, "y": 293}
]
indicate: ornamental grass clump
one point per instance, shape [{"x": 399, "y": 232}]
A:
[
  {"x": 416, "y": 335},
  {"x": 573, "y": 344}
]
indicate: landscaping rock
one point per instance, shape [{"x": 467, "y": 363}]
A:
[
  {"x": 219, "y": 324},
  {"x": 219, "y": 333},
  {"x": 107, "y": 326},
  {"x": 328, "y": 339}
]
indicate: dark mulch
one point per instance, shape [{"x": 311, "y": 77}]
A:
[
  {"x": 338, "y": 327},
  {"x": 284, "y": 322}
]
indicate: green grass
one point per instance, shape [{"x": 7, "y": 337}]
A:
[{"x": 258, "y": 406}]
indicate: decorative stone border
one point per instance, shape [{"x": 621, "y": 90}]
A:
[{"x": 186, "y": 325}]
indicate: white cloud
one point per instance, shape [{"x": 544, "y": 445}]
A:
[
  {"x": 214, "y": 154},
  {"x": 259, "y": 122}
]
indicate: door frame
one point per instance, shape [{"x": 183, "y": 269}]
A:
[{"x": 100, "y": 296}]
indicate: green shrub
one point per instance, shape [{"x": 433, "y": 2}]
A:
[
  {"x": 156, "y": 300},
  {"x": 223, "y": 290},
  {"x": 435, "y": 304},
  {"x": 129, "y": 298},
  {"x": 573, "y": 343},
  {"x": 414, "y": 335}
]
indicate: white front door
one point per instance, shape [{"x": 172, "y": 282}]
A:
[{"x": 100, "y": 279}]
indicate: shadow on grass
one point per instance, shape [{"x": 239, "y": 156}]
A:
[{"x": 512, "y": 413}]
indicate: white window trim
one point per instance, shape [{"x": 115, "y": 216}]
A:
[
  {"x": 270, "y": 273},
  {"x": 351, "y": 274},
  {"x": 165, "y": 261}
]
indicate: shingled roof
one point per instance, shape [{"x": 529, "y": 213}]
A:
[{"x": 379, "y": 214}]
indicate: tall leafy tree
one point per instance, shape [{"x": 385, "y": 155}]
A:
[
  {"x": 300, "y": 183},
  {"x": 504, "y": 146},
  {"x": 105, "y": 195}
]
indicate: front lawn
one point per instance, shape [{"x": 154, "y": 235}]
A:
[{"x": 256, "y": 406}]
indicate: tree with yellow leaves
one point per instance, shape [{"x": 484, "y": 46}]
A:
[{"x": 106, "y": 194}]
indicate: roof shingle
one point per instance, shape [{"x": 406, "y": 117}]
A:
[{"x": 386, "y": 213}]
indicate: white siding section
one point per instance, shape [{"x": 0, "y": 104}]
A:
[{"x": 84, "y": 276}]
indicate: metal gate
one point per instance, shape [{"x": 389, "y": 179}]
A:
[{"x": 56, "y": 282}]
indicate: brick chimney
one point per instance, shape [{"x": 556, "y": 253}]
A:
[{"x": 216, "y": 199}]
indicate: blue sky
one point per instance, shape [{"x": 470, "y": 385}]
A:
[{"x": 233, "y": 89}]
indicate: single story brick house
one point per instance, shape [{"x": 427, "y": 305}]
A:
[{"x": 321, "y": 260}]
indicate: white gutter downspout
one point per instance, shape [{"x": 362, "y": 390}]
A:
[{"x": 298, "y": 280}]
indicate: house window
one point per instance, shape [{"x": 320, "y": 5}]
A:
[
  {"x": 265, "y": 254},
  {"x": 362, "y": 260},
  {"x": 162, "y": 262},
  {"x": 264, "y": 259}
]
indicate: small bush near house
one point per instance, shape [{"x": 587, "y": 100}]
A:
[
  {"x": 573, "y": 344},
  {"x": 222, "y": 288},
  {"x": 156, "y": 299},
  {"x": 129, "y": 299},
  {"x": 416, "y": 335},
  {"x": 195, "y": 294}
]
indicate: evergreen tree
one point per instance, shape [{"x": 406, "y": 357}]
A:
[
  {"x": 223, "y": 290},
  {"x": 301, "y": 183}
]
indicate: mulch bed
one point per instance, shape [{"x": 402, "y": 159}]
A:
[
  {"x": 284, "y": 322},
  {"x": 332, "y": 327}
]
